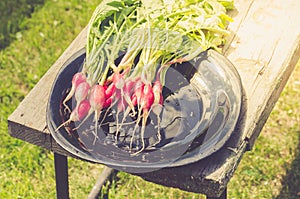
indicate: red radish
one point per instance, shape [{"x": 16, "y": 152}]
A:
[
  {"x": 112, "y": 95},
  {"x": 146, "y": 101},
  {"x": 142, "y": 97},
  {"x": 97, "y": 97},
  {"x": 129, "y": 86},
  {"x": 138, "y": 92},
  {"x": 97, "y": 100},
  {"x": 117, "y": 95},
  {"x": 147, "y": 98},
  {"x": 82, "y": 110},
  {"x": 76, "y": 80},
  {"x": 78, "y": 114},
  {"x": 157, "y": 106},
  {"x": 82, "y": 91},
  {"x": 108, "y": 102},
  {"x": 118, "y": 80},
  {"x": 105, "y": 86},
  {"x": 110, "y": 90},
  {"x": 127, "y": 93}
]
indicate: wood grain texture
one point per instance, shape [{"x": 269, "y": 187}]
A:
[{"x": 264, "y": 47}]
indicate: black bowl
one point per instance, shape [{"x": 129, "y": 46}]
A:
[{"x": 202, "y": 102}]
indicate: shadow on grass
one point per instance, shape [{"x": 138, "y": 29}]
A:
[
  {"x": 291, "y": 182},
  {"x": 13, "y": 13}
]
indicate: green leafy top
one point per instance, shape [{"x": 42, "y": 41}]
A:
[{"x": 161, "y": 31}]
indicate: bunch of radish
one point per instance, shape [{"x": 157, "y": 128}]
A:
[{"x": 146, "y": 38}]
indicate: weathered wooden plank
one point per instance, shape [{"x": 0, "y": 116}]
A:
[
  {"x": 193, "y": 178},
  {"x": 264, "y": 46},
  {"x": 208, "y": 176},
  {"x": 265, "y": 55},
  {"x": 265, "y": 50}
]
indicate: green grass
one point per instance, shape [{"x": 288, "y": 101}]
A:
[
  {"x": 13, "y": 14},
  {"x": 40, "y": 33}
]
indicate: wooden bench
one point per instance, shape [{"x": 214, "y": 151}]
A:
[{"x": 264, "y": 47}]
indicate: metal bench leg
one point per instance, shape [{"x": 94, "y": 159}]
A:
[
  {"x": 103, "y": 178},
  {"x": 61, "y": 176},
  {"x": 222, "y": 196}
]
